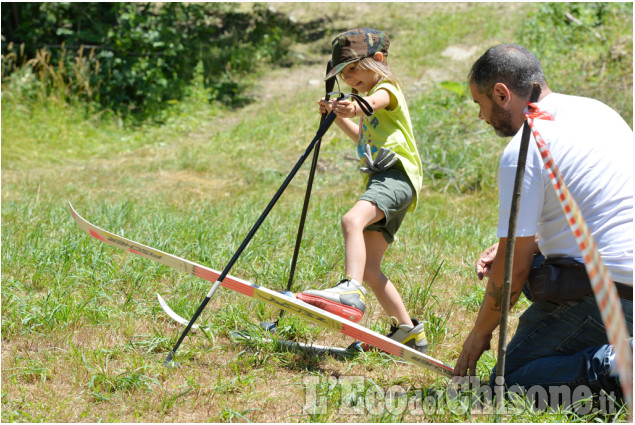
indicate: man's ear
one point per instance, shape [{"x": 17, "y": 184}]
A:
[
  {"x": 501, "y": 94},
  {"x": 378, "y": 56}
]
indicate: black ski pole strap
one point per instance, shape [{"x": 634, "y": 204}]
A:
[{"x": 366, "y": 108}]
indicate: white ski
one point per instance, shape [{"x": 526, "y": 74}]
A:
[
  {"x": 175, "y": 316},
  {"x": 297, "y": 346},
  {"x": 268, "y": 296}
]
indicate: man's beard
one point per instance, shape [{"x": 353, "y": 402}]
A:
[{"x": 502, "y": 121}]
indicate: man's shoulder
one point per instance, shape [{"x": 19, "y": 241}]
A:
[
  {"x": 580, "y": 116},
  {"x": 579, "y": 105}
]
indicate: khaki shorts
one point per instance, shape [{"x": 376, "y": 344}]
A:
[{"x": 392, "y": 192}]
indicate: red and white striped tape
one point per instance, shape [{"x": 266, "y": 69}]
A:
[{"x": 605, "y": 292}]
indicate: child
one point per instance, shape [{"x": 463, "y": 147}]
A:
[{"x": 392, "y": 172}]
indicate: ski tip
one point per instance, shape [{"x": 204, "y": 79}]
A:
[
  {"x": 70, "y": 207},
  {"x": 175, "y": 316}
]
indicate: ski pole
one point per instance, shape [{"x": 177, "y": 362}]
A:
[
  {"x": 329, "y": 87},
  {"x": 321, "y": 131},
  {"x": 330, "y": 83},
  {"x": 509, "y": 253}
]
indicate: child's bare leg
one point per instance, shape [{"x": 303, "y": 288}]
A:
[
  {"x": 361, "y": 215},
  {"x": 384, "y": 290},
  {"x": 364, "y": 253}
]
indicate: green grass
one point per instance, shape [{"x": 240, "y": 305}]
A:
[{"x": 83, "y": 336}]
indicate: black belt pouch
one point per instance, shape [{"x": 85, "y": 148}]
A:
[{"x": 559, "y": 280}]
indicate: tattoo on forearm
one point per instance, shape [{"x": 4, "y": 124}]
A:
[{"x": 497, "y": 294}]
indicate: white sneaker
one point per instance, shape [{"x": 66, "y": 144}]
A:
[{"x": 347, "y": 299}]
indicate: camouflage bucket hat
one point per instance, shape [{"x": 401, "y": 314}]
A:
[{"x": 353, "y": 45}]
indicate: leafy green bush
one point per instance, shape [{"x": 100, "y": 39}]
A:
[
  {"x": 558, "y": 28},
  {"x": 142, "y": 55},
  {"x": 597, "y": 37},
  {"x": 462, "y": 155}
]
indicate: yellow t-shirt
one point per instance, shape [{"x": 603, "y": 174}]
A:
[{"x": 392, "y": 129}]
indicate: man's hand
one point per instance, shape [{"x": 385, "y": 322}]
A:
[
  {"x": 473, "y": 348},
  {"x": 384, "y": 160},
  {"x": 484, "y": 263}
]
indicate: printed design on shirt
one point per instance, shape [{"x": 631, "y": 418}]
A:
[{"x": 364, "y": 137}]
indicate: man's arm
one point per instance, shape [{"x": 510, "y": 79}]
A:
[
  {"x": 484, "y": 262},
  {"x": 489, "y": 315}
]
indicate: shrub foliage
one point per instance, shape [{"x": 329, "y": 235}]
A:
[{"x": 134, "y": 57}]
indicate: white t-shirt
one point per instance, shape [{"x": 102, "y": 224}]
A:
[{"x": 593, "y": 149}]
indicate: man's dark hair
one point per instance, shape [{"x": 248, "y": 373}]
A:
[{"x": 510, "y": 64}]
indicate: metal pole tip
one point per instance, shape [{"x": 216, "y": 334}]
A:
[{"x": 169, "y": 362}]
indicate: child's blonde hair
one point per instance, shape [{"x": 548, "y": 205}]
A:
[{"x": 380, "y": 68}]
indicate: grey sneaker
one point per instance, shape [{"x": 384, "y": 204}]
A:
[
  {"x": 347, "y": 299},
  {"x": 410, "y": 336}
]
